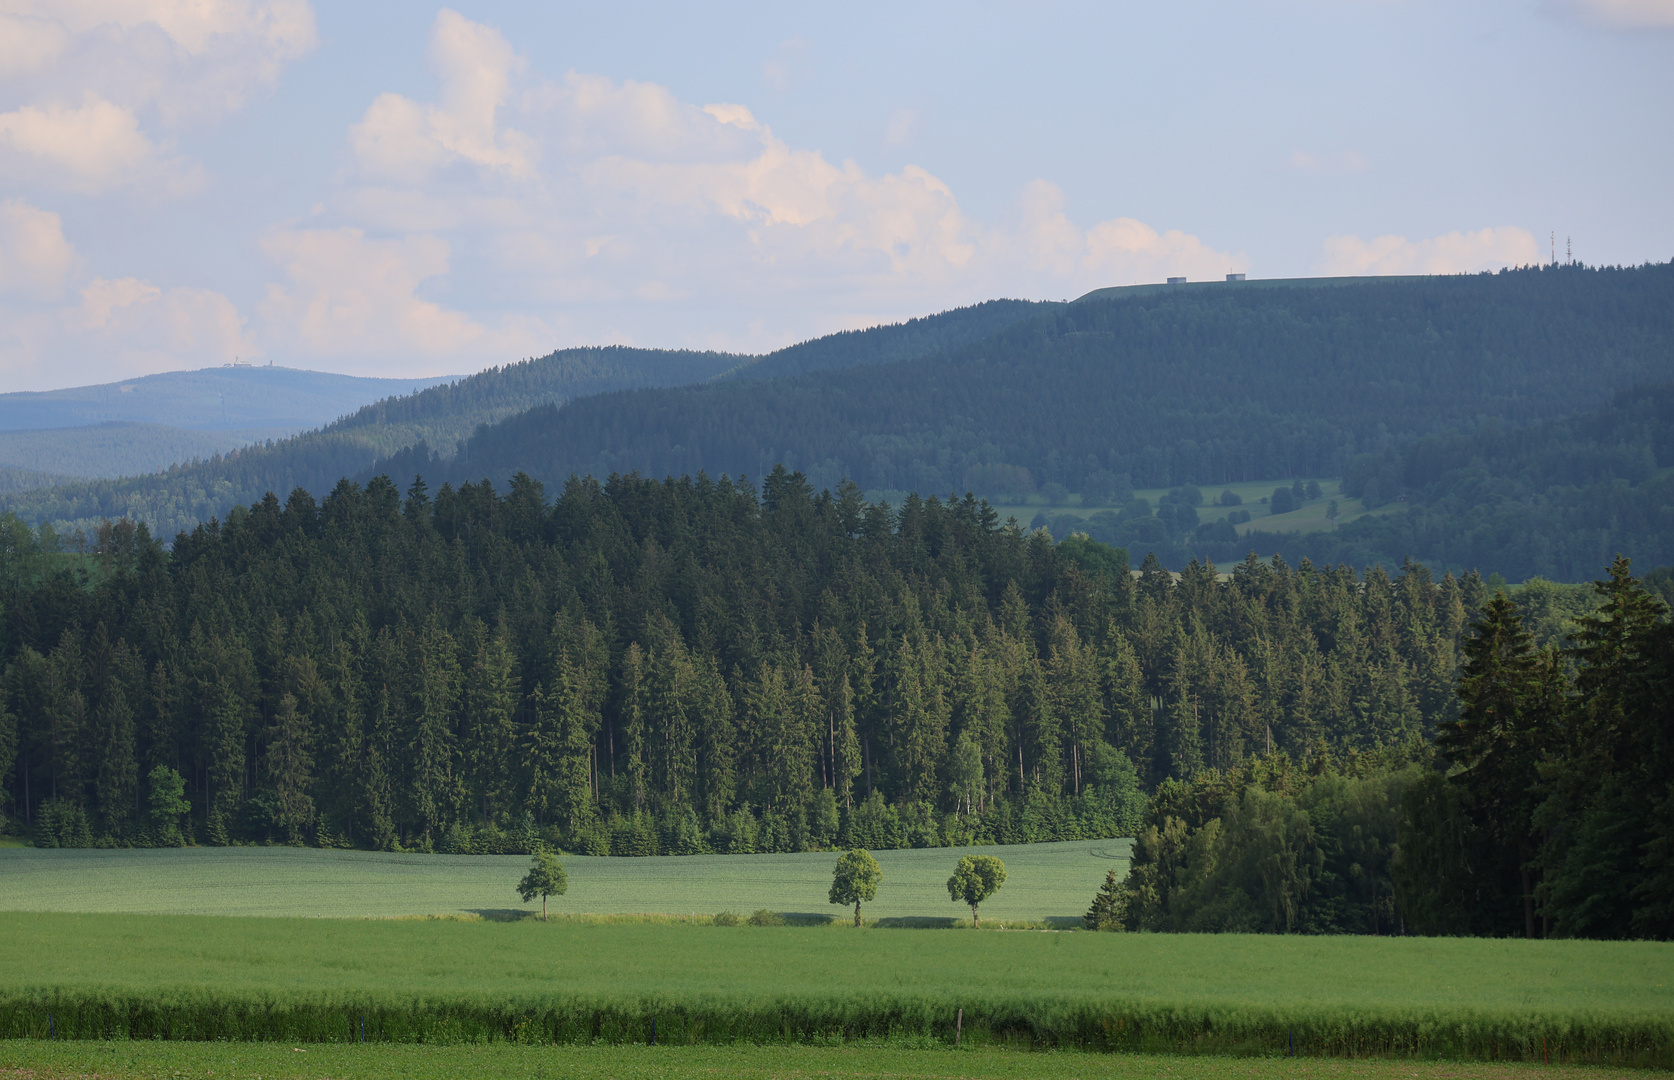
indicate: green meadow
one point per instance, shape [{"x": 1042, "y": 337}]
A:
[
  {"x": 578, "y": 982},
  {"x": 163, "y": 945},
  {"x": 1048, "y": 883},
  {"x": 270, "y": 1061},
  {"x": 1309, "y": 517}
]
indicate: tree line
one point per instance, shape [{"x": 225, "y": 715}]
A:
[
  {"x": 1544, "y": 808},
  {"x": 685, "y": 665}
]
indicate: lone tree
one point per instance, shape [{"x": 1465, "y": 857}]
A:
[
  {"x": 975, "y": 879},
  {"x": 1108, "y": 906},
  {"x": 546, "y": 877},
  {"x": 855, "y": 879},
  {"x": 168, "y": 802}
]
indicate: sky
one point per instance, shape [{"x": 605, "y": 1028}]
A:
[{"x": 395, "y": 188}]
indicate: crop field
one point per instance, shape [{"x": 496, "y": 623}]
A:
[
  {"x": 460, "y": 982},
  {"x": 21, "y": 1060},
  {"x": 1047, "y": 883}
]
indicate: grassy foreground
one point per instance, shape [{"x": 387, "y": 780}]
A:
[
  {"x": 1047, "y": 882},
  {"x": 440, "y": 982},
  {"x": 267, "y": 1061}
]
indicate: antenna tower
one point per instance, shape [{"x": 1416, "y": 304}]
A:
[
  {"x": 1554, "y": 247},
  {"x": 1569, "y": 254}
]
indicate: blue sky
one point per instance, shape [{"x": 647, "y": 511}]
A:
[{"x": 395, "y": 188}]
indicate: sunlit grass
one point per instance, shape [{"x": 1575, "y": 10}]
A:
[
  {"x": 267, "y": 1061},
  {"x": 1047, "y": 882},
  {"x": 435, "y": 981}
]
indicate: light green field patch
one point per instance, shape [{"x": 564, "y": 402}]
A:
[
  {"x": 264, "y": 1061},
  {"x": 439, "y": 982},
  {"x": 1047, "y": 882},
  {"x": 1309, "y": 517}
]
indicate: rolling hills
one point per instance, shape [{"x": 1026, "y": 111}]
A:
[
  {"x": 439, "y": 419},
  {"x": 1454, "y": 393},
  {"x": 1188, "y": 386},
  {"x": 1152, "y": 387}
]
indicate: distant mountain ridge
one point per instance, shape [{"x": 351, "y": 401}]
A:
[
  {"x": 438, "y": 420},
  {"x": 118, "y": 447},
  {"x": 210, "y": 399},
  {"x": 1166, "y": 386}
]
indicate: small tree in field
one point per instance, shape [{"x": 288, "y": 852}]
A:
[
  {"x": 855, "y": 879},
  {"x": 546, "y": 877},
  {"x": 975, "y": 879},
  {"x": 1108, "y": 906}
]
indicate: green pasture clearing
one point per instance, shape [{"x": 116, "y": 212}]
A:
[
  {"x": 26, "y": 1060},
  {"x": 1047, "y": 883},
  {"x": 183, "y": 977},
  {"x": 1309, "y": 517}
]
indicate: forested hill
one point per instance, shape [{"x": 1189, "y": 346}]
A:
[
  {"x": 440, "y": 418},
  {"x": 180, "y": 497},
  {"x": 1202, "y": 385},
  {"x": 899, "y": 341},
  {"x": 1553, "y": 499},
  {"x": 671, "y": 666}
]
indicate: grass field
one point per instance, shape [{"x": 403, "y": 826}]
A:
[
  {"x": 1309, "y": 517},
  {"x": 20, "y": 1060},
  {"x": 181, "y": 977},
  {"x": 1049, "y": 883}
]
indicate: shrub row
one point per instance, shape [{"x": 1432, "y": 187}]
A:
[{"x": 1645, "y": 1039}]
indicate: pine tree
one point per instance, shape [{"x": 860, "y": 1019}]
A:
[
  {"x": 1508, "y": 696},
  {"x": 290, "y": 764},
  {"x": 434, "y": 789},
  {"x": 1131, "y": 726},
  {"x": 631, "y": 722}
]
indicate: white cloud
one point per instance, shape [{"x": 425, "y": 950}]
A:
[
  {"x": 400, "y": 139},
  {"x": 1120, "y": 251},
  {"x": 1616, "y": 14},
  {"x": 1452, "y": 253},
  {"x": 117, "y": 328},
  {"x": 179, "y": 327},
  {"x": 59, "y": 328},
  {"x": 186, "y": 59},
  {"x": 349, "y": 295},
  {"x": 90, "y": 147},
  {"x": 35, "y": 258},
  {"x": 559, "y": 196},
  {"x": 82, "y": 81},
  {"x": 29, "y": 44}
]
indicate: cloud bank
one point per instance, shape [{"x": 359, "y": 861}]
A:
[
  {"x": 1453, "y": 253},
  {"x": 507, "y": 211}
]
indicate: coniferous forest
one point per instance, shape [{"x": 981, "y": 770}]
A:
[
  {"x": 1328, "y": 740},
  {"x": 687, "y": 665}
]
